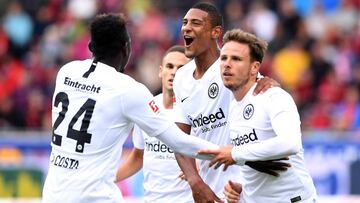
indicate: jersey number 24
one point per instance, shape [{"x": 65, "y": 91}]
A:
[{"x": 81, "y": 136}]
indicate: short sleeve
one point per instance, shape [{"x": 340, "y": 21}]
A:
[
  {"x": 140, "y": 107},
  {"x": 138, "y": 137}
]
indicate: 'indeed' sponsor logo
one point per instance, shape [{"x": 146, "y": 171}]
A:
[
  {"x": 244, "y": 139},
  {"x": 158, "y": 147},
  {"x": 204, "y": 120}
]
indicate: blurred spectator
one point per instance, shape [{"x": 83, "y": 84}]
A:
[
  {"x": 262, "y": 21},
  {"x": 289, "y": 19},
  {"x": 82, "y": 9},
  {"x": 316, "y": 22},
  {"x": 347, "y": 111},
  {"x": 234, "y": 15},
  {"x": 19, "y": 28},
  {"x": 290, "y": 64},
  {"x": 342, "y": 60},
  {"x": 345, "y": 17},
  {"x": 319, "y": 67}
]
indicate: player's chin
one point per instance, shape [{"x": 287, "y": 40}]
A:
[
  {"x": 228, "y": 84},
  {"x": 189, "y": 52},
  {"x": 169, "y": 87}
]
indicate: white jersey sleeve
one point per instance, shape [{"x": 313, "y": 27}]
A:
[
  {"x": 138, "y": 137},
  {"x": 141, "y": 108},
  {"x": 285, "y": 122}
]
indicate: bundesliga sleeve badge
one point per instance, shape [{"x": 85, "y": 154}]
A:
[{"x": 153, "y": 106}]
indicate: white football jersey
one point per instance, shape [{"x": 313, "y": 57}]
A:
[
  {"x": 204, "y": 104},
  {"x": 264, "y": 126},
  {"x": 93, "y": 113},
  {"x": 161, "y": 170}
]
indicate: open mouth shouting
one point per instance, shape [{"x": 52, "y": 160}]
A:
[{"x": 188, "y": 40}]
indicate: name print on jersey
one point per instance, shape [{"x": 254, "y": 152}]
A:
[
  {"x": 64, "y": 162},
  {"x": 203, "y": 121},
  {"x": 81, "y": 87},
  {"x": 244, "y": 139}
]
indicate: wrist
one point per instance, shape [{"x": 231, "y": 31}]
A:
[
  {"x": 235, "y": 157},
  {"x": 195, "y": 181}
]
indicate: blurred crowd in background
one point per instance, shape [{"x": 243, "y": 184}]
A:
[{"x": 314, "y": 51}]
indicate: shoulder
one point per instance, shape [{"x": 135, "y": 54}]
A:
[
  {"x": 73, "y": 65},
  {"x": 276, "y": 98},
  {"x": 276, "y": 92},
  {"x": 77, "y": 64}
]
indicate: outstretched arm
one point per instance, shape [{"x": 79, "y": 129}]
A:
[
  {"x": 223, "y": 156},
  {"x": 131, "y": 165}
]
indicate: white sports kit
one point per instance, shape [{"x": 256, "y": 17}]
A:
[
  {"x": 94, "y": 110},
  {"x": 161, "y": 170},
  {"x": 264, "y": 127},
  {"x": 204, "y": 104}
]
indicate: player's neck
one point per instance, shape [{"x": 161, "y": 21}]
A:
[
  {"x": 204, "y": 61},
  {"x": 240, "y": 93},
  {"x": 168, "y": 99},
  {"x": 113, "y": 62}
]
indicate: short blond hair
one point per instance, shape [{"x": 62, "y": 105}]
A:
[{"x": 256, "y": 45}]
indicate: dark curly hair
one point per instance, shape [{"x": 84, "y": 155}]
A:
[{"x": 108, "y": 35}]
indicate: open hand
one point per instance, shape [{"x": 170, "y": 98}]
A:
[
  {"x": 221, "y": 156},
  {"x": 271, "y": 167},
  {"x": 264, "y": 84}
]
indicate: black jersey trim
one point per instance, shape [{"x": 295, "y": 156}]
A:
[{"x": 91, "y": 69}]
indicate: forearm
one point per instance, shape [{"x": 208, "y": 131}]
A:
[
  {"x": 287, "y": 142},
  {"x": 131, "y": 165},
  {"x": 186, "y": 145},
  {"x": 267, "y": 150},
  {"x": 188, "y": 167}
]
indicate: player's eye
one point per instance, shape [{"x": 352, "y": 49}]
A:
[
  {"x": 169, "y": 66},
  {"x": 236, "y": 58},
  {"x": 197, "y": 22}
]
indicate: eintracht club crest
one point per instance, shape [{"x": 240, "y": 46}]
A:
[
  {"x": 213, "y": 90},
  {"x": 248, "y": 111}
]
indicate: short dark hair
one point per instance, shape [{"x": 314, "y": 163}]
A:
[
  {"x": 256, "y": 45},
  {"x": 215, "y": 15},
  {"x": 108, "y": 35},
  {"x": 175, "y": 48}
]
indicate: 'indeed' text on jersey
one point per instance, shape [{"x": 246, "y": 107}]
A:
[
  {"x": 244, "y": 139},
  {"x": 204, "y": 120}
]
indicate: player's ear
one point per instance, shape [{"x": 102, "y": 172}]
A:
[
  {"x": 216, "y": 32},
  {"x": 255, "y": 67},
  {"x": 160, "y": 71},
  {"x": 90, "y": 46}
]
